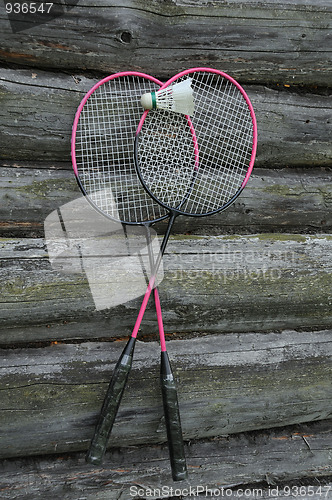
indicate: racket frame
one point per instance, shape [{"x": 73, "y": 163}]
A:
[
  {"x": 177, "y": 210},
  {"x": 73, "y": 142}
]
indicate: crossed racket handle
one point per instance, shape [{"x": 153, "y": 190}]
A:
[{"x": 168, "y": 385}]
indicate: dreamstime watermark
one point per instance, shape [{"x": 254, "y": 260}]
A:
[{"x": 24, "y": 15}]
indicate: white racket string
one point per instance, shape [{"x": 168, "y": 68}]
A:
[
  {"x": 167, "y": 159},
  {"x": 104, "y": 150},
  {"x": 223, "y": 131}
]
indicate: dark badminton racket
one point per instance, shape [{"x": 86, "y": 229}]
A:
[
  {"x": 210, "y": 177},
  {"x": 103, "y": 160},
  {"x": 206, "y": 175}
]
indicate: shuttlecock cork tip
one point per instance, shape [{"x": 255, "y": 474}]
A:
[{"x": 146, "y": 101}]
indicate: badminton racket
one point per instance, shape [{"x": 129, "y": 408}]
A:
[
  {"x": 197, "y": 167},
  {"x": 102, "y": 153},
  {"x": 206, "y": 175}
]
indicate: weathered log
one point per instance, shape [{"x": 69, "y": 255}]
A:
[
  {"x": 37, "y": 111},
  {"x": 257, "y": 463},
  {"x": 211, "y": 284},
  {"x": 226, "y": 384},
  {"x": 254, "y": 41},
  {"x": 285, "y": 200}
]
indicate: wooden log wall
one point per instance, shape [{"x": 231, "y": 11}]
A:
[{"x": 246, "y": 294}]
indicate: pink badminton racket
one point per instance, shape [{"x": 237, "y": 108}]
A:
[{"x": 103, "y": 160}]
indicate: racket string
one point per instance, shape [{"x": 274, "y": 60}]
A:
[
  {"x": 223, "y": 128},
  {"x": 168, "y": 160},
  {"x": 104, "y": 150}
]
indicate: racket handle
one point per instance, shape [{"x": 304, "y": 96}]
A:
[
  {"x": 173, "y": 422},
  {"x": 111, "y": 405}
]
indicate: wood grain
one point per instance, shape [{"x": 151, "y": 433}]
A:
[
  {"x": 226, "y": 384},
  {"x": 211, "y": 284},
  {"x": 275, "y": 200},
  {"x": 257, "y": 462},
  {"x": 37, "y": 111},
  {"x": 246, "y": 294},
  {"x": 259, "y": 42}
]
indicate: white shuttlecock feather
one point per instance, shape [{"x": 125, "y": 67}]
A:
[{"x": 178, "y": 98}]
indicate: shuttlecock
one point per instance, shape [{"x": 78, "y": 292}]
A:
[{"x": 178, "y": 98}]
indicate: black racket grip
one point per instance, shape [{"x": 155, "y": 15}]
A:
[
  {"x": 172, "y": 418},
  {"x": 111, "y": 405}
]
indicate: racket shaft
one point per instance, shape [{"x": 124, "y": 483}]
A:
[
  {"x": 172, "y": 418},
  {"x": 111, "y": 404}
]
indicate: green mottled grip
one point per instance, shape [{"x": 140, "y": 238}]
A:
[
  {"x": 111, "y": 405},
  {"x": 173, "y": 422}
]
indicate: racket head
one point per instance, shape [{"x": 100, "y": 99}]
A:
[
  {"x": 199, "y": 165},
  {"x": 102, "y": 148}
]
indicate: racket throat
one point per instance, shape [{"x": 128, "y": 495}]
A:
[
  {"x": 167, "y": 233},
  {"x": 158, "y": 260}
]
